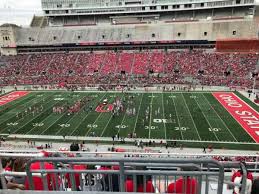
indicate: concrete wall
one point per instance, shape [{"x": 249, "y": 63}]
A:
[{"x": 8, "y": 40}]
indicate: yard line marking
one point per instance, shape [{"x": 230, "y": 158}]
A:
[
  {"x": 110, "y": 118},
  {"x": 246, "y": 116},
  {"x": 76, "y": 114},
  {"x": 94, "y": 121},
  {"x": 10, "y": 97},
  {"x": 20, "y": 127},
  {"x": 60, "y": 116},
  {"x": 150, "y": 118},
  {"x": 84, "y": 117},
  {"x": 106, "y": 126},
  {"x": 24, "y": 118},
  {"x": 164, "y": 114},
  {"x": 122, "y": 123},
  {"x": 138, "y": 113},
  {"x": 244, "y": 101},
  {"x": 42, "y": 120},
  {"x": 15, "y": 102},
  {"x": 177, "y": 117},
  {"x": 10, "y": 111},
  {"x": 206, "y": 119},
  {"x": 191, "y": 117},
  {"x": 220, "y": 118}
]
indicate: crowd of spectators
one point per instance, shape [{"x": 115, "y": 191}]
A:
[
  {"x": 187, "y": 184},
  {"x": 146, "y": 67},
  {"x": 103, "y": 182}
]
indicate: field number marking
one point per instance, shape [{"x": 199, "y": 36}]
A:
[
  {"x": 164, "y": 120},
  {"x": 37, "y": 124},
  {"x": 214, "y": 129},
  {"x": 151, "y": 127},
  {"x": 12, "y": 124},
  {"x": 181, "y": 128},
  {"x": 92, "y": 126},
  {"x": 121, "y": 126},
  {"x": 64, "y": 125},
  {"x": 58, "y": 99}
]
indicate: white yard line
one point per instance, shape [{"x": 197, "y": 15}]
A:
[
  {"x": 75, "y": 114},
  {"x": 177, "y": 117},
  {"x": 244, "y": 101},
  {"x": 51, "y": 124},
  {"x": 191, "y": 117},
  {"x": 32, "y": 119},
  {"x": 82, "y": 120},
  {"x": 57, "y": 120},
  {"x": 10, "y": 111},
  {"x": 207, "y": 120},
  {"x": 138, "y": 114},
  {"x": 220, "y": 118},
  {"x": 106, "y": 126},
  {"x": 110, "y": 120},
  {"x": 95, "y": 120},
  {"x": 150, "y": 119},
  {"x": 122, "y": 123},
  {"x": 164, "y": 114}
]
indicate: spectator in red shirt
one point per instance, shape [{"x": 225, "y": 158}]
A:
[
  {"x": 149, "y": 185},
  {"x": 183, "y": 185},
  {"x": 129, "y": 184},
  {"x": 77, "y": 176},
  {"x": 238, "y": 174},
  {"x": 8, "y": 166},
  {"x": 37, "y": 181}
]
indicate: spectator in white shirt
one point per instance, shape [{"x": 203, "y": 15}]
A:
[{"x": 239, "y": 180}]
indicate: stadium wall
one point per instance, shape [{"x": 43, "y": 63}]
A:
[
  {"x": 237, "y": 45},
  {"x": 209, "y": 30},
  {"x": 77, "y": 36},
  {"x": 8, "y": 40}
]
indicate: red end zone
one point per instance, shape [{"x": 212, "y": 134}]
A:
[
  {"x": 246, "y": 116},
  {"x": 12, "y": 96}
]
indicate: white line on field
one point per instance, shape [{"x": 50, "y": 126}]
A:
[
  {"x": 191, "y": 117},
  {"x": 220, "y": 118}
]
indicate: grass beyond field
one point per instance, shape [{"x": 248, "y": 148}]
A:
[{"x": 192, "y": 116}]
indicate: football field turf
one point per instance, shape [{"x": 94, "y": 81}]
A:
[{"x": 187, "y": 116}]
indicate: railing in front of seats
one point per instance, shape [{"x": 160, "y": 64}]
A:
[
  {"x": 127, "y": 167},
  {"x": 161, "y": 171}
]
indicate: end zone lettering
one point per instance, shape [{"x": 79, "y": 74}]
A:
[
  {"x": 246, "y": 116},
  {"x": 12, "y": 96}
]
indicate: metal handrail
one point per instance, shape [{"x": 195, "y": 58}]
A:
[{"x": 122, "y": 172}]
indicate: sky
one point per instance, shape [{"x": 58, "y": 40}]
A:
[{"x": 19, "y": 12}]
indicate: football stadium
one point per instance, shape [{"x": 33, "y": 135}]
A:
[{"x": 139, "y": 96}]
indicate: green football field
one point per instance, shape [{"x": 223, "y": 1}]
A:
[{"x": 190, "y": 116}]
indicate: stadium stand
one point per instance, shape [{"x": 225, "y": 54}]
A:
[
  {"x": 127, "y": 171},
  {"x": 112, "y": 44},
  {"x": 207, "y": 68}
]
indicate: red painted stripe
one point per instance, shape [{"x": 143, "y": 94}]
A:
[
  {"x": 245, "y": 115},
  {"x": 12, "y": 96}
]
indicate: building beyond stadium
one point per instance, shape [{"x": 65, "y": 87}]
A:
[{"x": 94, "y": 24}]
